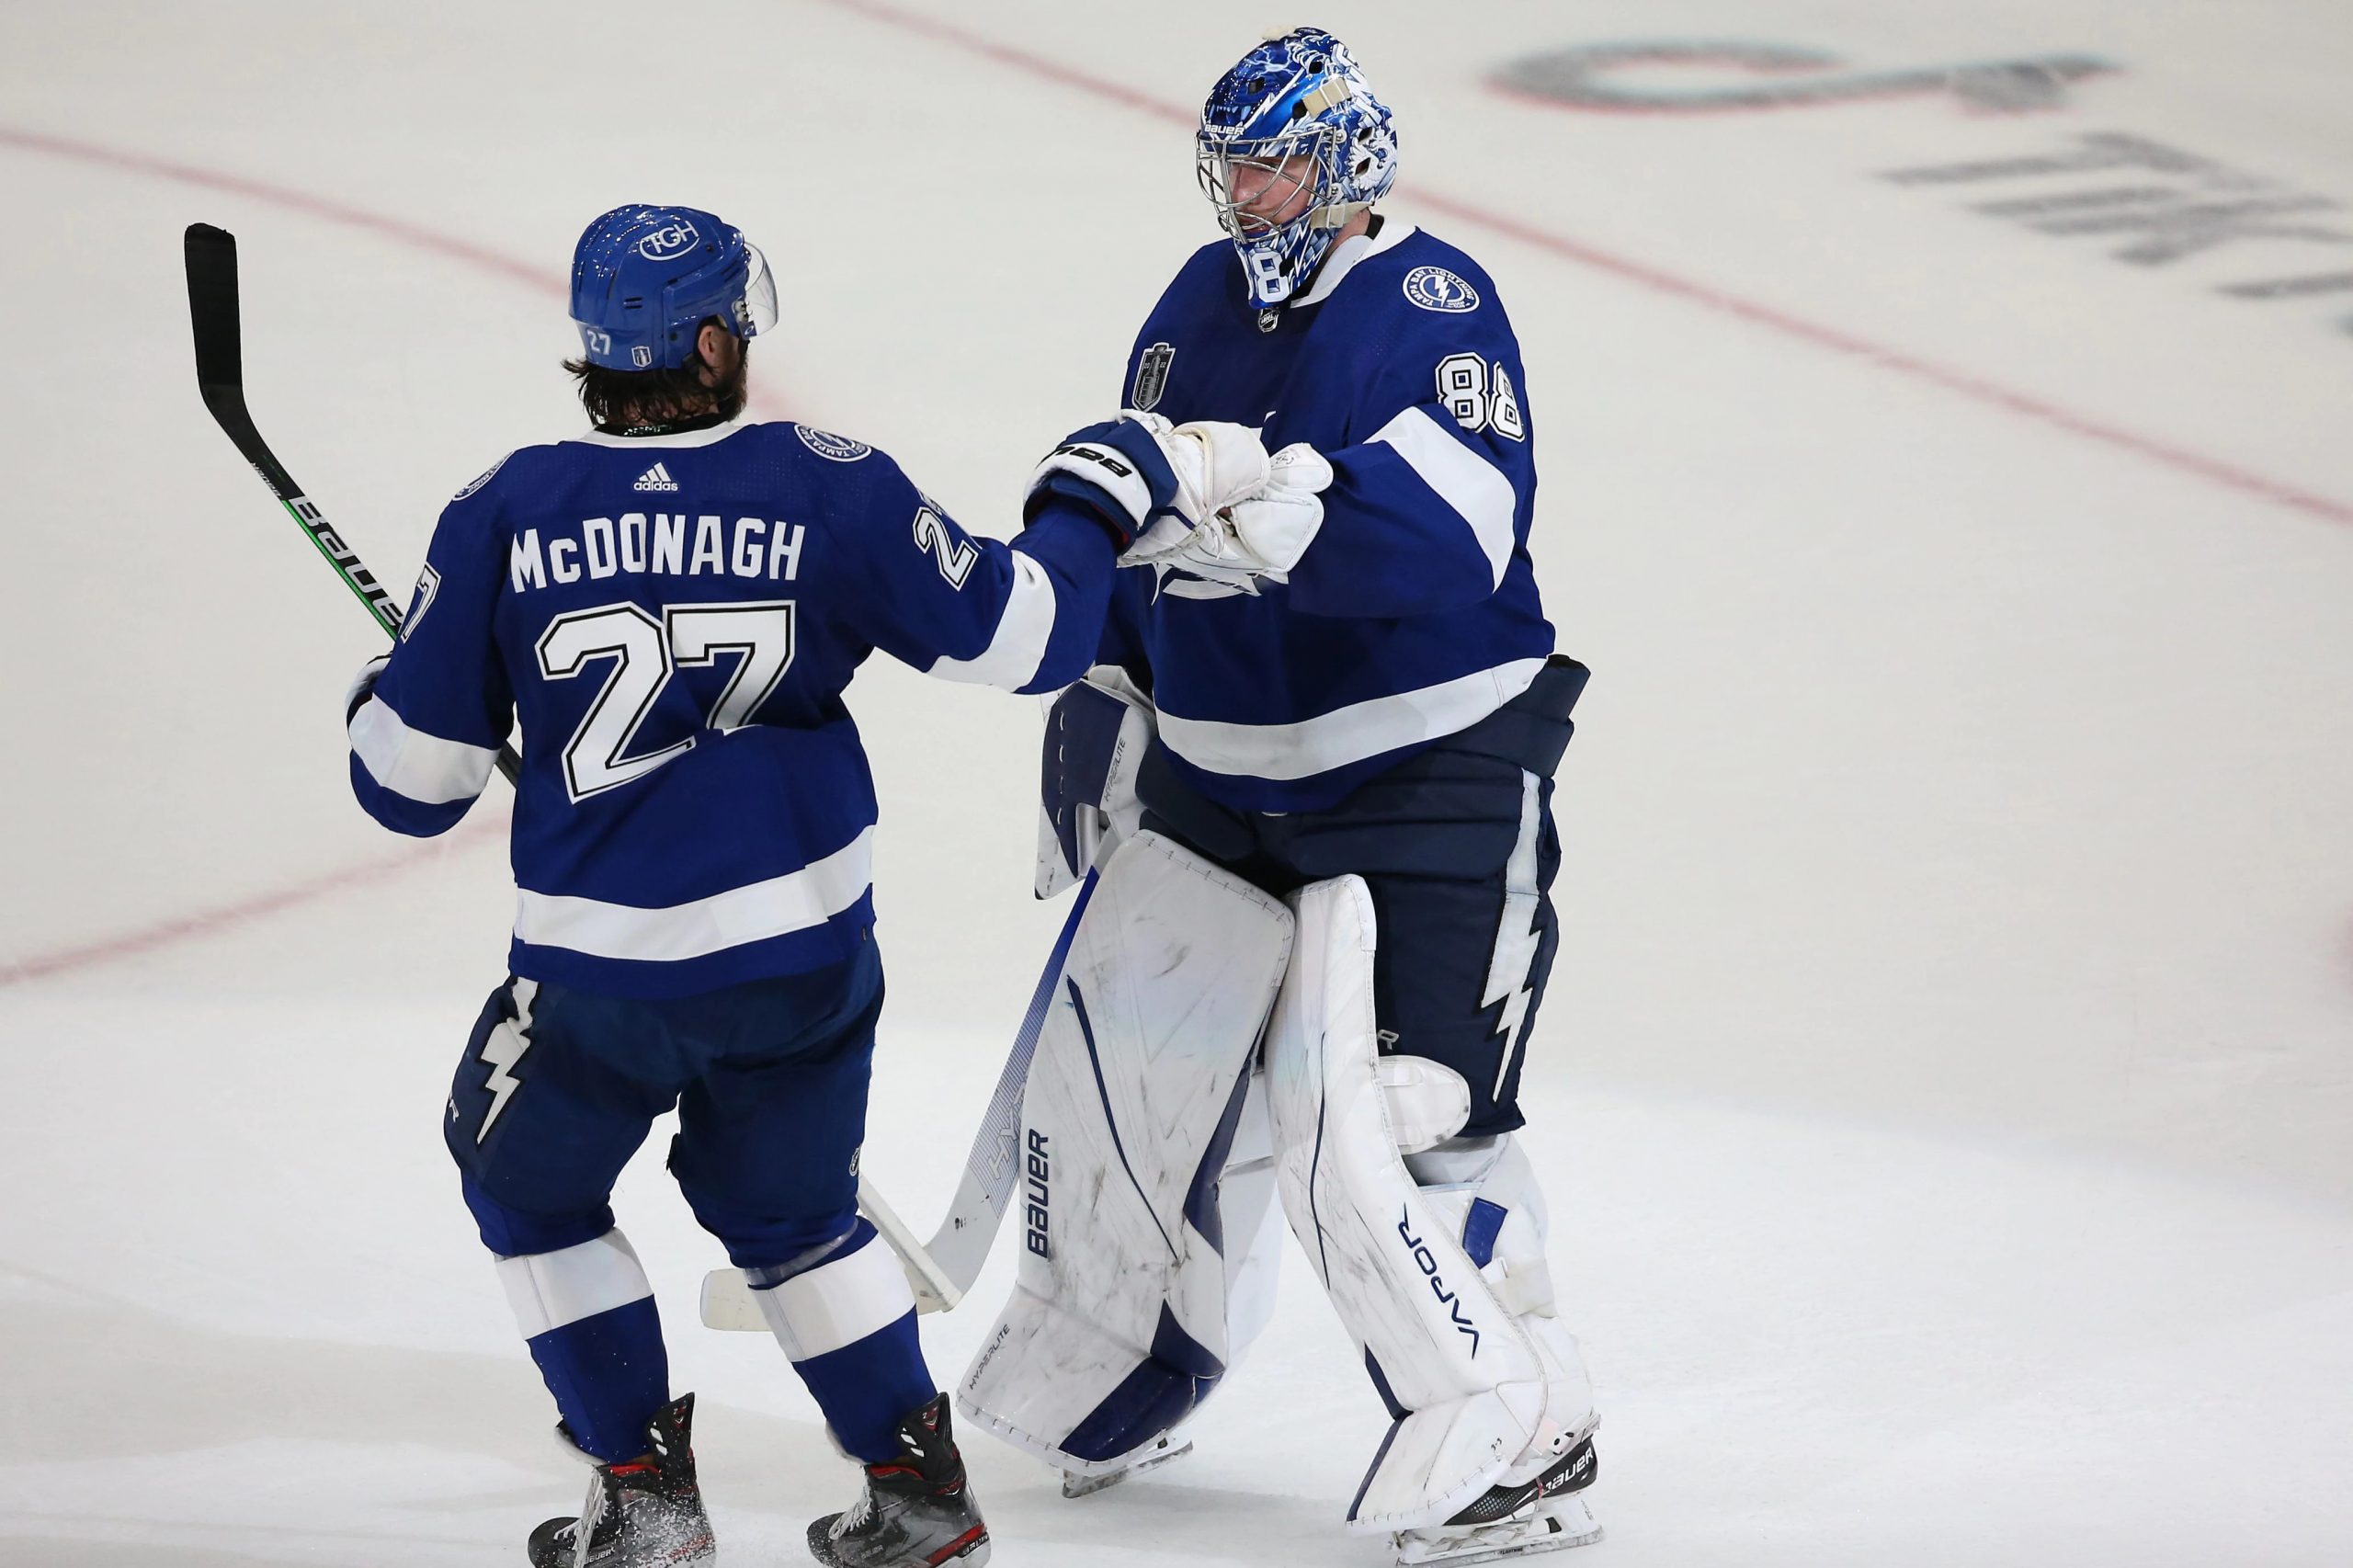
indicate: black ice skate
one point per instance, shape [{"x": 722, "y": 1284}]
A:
[
  {"x": 643, "y": 1514},
  {"x": 917, "y": 1511},
  {"x": 1541, "y": 1515}
]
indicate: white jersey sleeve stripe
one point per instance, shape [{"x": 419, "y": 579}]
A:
[
  {"x": 1348, "y": 734},
  {"x": 838, "y": 1302},
  {"x": 550, "y": 1289},
  {"x": 754, "y": 912},
  {"x": 1019, "y": 644},
  {"x": 1477, "y": 490},
  {"x": 413, "y": 763}
]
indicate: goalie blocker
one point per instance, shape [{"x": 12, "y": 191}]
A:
[{"x": 1429, "y": 1238}]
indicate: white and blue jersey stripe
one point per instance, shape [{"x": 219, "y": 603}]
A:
[
  {"x": 673, "y": 618},
  {"x": 1414, "y": 613}
]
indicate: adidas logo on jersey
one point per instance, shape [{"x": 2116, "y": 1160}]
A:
[{"x": 655, "y": 477}]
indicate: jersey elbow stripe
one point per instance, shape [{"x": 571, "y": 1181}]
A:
[
  {"x": 754, "y": 912},
  {"x": 550, "y": 1289},
  {"x": 410, "y": 763},
  {"x": 1350, "y": 735},
  {"x": 1477, "y": 490},
  {"x": 1018, "y": 647}
]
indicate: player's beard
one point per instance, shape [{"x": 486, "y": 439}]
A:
[{"x": 733, "y": 386}]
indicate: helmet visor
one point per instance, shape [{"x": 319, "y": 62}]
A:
[{"x": 756, "y": 310}]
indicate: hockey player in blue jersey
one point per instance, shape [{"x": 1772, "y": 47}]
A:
[
  {"x": 1327, "y": 734},
  {"x": 672, "y": 603}
]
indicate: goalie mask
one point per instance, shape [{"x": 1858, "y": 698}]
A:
[{"x": 1294, "y": 116}]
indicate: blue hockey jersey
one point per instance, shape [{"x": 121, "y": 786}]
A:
[
  {"x": 673, "y": 618},
  {"x": 1414, "y": 613}
]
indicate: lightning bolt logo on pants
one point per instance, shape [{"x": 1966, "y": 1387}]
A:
[
  {"x": 508, "y": 1040},
  {"x": 1511, "y": 971}
]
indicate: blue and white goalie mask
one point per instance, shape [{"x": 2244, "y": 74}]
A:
[
  {"x": 644, "y": 279},
  {"x": 1292, "y": 144}
]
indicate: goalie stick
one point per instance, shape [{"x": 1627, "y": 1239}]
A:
[{"x": 961, "y": 1245}]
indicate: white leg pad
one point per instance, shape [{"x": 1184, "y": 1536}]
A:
[
  {"x": 1487, "y": 1190},
  {"x": 1117, "y": 1321},
  {"x": 1254, "y": 1225},
  {"x": 1469, "y": 1376}
]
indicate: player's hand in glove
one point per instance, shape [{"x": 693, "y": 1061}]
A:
[
  {"x": 1215, "y": 464},
  {"x": 1150, "y": 483},
  {"x": 363, "y": 685},
  {"x": 1264, "y": 533}
]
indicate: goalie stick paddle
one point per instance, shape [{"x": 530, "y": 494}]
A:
[
  {"x": 211, "y": 255},
  {"x": 960, "y": 1246}
]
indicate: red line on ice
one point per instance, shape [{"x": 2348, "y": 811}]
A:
[
  {"x": 302, "y": 201},
  {"x": 228, "y": 916},
  {"x": 1661, "y": 281}
]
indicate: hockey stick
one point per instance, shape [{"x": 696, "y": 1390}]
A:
[
  {"x": 221, "y": 377},
  {"x": 959, "y": 1248}
]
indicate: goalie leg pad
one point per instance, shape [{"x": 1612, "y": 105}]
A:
[
  {"x": 1462, "y": 1376},
  {"x": 1118, "y": 1324}
]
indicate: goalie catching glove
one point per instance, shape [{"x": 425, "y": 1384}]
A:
[{"x": 1202, "y": 497}]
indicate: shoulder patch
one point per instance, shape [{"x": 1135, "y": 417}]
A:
[
  {"x": 484, "y": 478},
  {"x": 825, "y": 443},
  {"x": 1151, "y": 377},
  {"x": 1436, "y": 288}
]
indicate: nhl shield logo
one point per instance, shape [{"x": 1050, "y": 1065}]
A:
[
  {"x": 1436, "y": 288},
  {"x": 1151, "y": 377}
]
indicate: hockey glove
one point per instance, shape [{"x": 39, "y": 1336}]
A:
[
  {"x": 1113, "y": 471},
  {"x": 1097, "y": 732},
  {"x": 1264, "y": 534},
  {"x": 363, "y": 686},
  {"x": 1151, "y": 482}
]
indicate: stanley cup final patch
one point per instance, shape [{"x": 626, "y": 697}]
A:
[{"x": 1151, "y": 377}]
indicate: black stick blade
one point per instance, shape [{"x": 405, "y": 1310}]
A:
[{"x": 212, "y": 306}]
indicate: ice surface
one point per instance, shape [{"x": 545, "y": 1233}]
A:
[{"x": 1947, "y": 1092}]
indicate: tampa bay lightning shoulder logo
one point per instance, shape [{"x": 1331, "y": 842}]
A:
[
  {"x": 825, "y": 443},
  {"x": 482, "y": 478},
  {"x": 1151, "y": 377},
  {"x": 1436, "y": 288}
]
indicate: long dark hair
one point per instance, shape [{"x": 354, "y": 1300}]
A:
[{"x": 616, "y": 399}]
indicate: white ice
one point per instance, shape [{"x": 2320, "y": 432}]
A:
[{"x": 1947, "y": 1089}]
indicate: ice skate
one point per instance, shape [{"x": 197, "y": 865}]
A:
[
  {"x": 1547, "y": 1514},
  {"x": 917, "y": 1511},
  {"x": 645, "y": 1513},
  {"x": 1167, "y": 1446}
]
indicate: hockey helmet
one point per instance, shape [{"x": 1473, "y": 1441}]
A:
[{"x": 645, "y": 278}]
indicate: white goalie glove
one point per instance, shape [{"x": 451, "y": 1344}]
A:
[
  {"x": 1216, "y": 465},
  {"x": 1244, "y": 515},
  {"x": 1264, "y": 533}
]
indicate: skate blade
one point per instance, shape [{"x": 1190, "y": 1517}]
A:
[
  {"x": 1087, "y": 1485},
  {"x": 1564, "y": 1525}
]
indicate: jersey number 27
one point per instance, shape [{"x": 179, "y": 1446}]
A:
[{"x": 644, "y": 653}]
